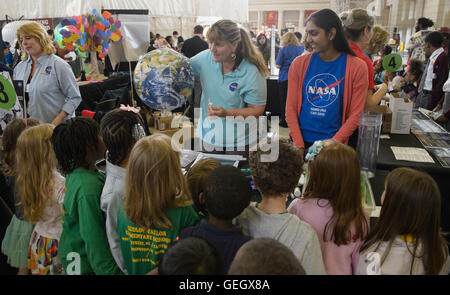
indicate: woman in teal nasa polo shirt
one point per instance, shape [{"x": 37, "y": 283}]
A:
[{"x": 232, "y": 73}]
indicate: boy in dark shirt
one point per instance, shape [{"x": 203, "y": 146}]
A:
[{"x": 227, "y": 193}]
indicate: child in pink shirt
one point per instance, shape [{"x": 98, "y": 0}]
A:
[{"x": 332, "y": 205}]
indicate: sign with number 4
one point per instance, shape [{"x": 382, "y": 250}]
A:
[{"x": 392, "y": 62}]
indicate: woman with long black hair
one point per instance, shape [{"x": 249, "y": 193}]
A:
[{"x": 327, "y": 87}]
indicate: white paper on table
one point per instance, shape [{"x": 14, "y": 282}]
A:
[
  {"x": 412, "y": 154},
  {"x": 376, "y": 212}
]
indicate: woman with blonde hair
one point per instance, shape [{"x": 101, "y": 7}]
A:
[
  {"x": 156, "y": 206},
  {"x": 232, "y": 73},
  {"x": 52, "y": 93},
  {"x": 41, "y": 190},
  {"x": 379, "y": 39},
  {"x": 290, "y": 50}
]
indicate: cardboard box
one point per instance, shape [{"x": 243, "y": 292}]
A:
[
  {"x": 387, "y": 117},
  {"x": 189, "y": 132},
  {"x": 161, "y": 122},
  {"x": 401, "y": 115}
]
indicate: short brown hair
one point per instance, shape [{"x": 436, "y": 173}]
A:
[
  {"x": 280, "y": 176},
  {"x": 265, "y": 256},
  {"x": 289, "y": 39}
]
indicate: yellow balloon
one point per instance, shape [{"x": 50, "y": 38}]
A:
[{"x": 115, "y": 38}]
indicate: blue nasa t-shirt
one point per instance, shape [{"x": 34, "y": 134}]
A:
[{"x": 323, "y": 94}]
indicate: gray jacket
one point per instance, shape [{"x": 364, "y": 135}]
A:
[{"x": 288, "y": 229}]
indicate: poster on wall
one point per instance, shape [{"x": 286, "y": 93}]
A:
[
  {"x": 271, "y": 18},
  {"x": 47, "y": 23},
  {"x": 307, "y": 14}
]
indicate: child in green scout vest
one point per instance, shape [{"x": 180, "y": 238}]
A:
[
  {"x": 83, "y": 247},
  {"x": 156, "y": 205}
]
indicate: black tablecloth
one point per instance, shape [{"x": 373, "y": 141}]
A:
[
  {"x": 93, "y": 92},
  {"x": 387, "y": 162},
  {"x": 273, "y": 97}
]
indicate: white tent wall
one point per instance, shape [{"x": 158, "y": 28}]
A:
[
  {"x": 59, "y": 8},
  {"x": 187, "y": 10}
]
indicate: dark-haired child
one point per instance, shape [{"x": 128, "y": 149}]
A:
[
  {"x": 407, "y": 238},
  {"x": 412, "y": 78},
  {"x": 227, "y": 193},
  {"x": 78, "y": 145},
  {"x": 191, "y": 256},
  {"x": 270, "y": 219},
  {"x": 120, "y": 130},
  {"x": 265, "y": 256}
]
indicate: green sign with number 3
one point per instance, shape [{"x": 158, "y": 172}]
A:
[
  {"x": 392, "y": 62},
  {"x": 7, "y": 94}
]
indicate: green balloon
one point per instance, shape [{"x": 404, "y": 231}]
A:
[
  {"x": 7, "y": 94},
  {"x": 392, "y": 62}
]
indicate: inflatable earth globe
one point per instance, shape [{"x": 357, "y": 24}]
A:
[{"x": 163, "y": 79}]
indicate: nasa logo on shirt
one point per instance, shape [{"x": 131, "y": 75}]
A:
[
  {"x": 233, "y": 86},
  {"x": 48, "y": 70},
  {"x": 322, "y": 90}
]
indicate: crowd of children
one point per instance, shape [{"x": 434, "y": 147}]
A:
[{"x": 146, "y": 217}]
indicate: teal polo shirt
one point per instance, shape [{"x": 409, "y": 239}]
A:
[{"x": 234, "y": 90}]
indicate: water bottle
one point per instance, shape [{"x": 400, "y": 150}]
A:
[{"x": 368, "y": 141}]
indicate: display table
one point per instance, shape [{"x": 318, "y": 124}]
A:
[
  {"x": 93, "y": 92},
  {"x": 386, "y": 162}
]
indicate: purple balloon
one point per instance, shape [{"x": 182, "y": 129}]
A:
[
  {"x": 65, "y": 22},
  {"x": 66, "y": 34}
]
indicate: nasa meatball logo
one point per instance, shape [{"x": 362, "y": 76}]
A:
[
  {"x": 48, "y": 70},
  {"x": 323, "y": 90},
  {"x": 233, "y": 86}
]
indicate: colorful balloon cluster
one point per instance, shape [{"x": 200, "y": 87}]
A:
[{"x": 91, "y": 32}]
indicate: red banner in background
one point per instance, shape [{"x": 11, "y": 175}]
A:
[
  {"x": 307, "y": 14},
  {"x": 47, "y": 23},
  {"x": 271, "y": 18}
]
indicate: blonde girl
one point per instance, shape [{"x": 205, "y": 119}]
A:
[
  {"x": 41, "y": 191},
  {"x": 157, "y": 204},
  {"x": 17, "y": 236}
]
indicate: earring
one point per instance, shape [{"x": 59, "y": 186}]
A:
[{"x": 233, "y": 56}]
